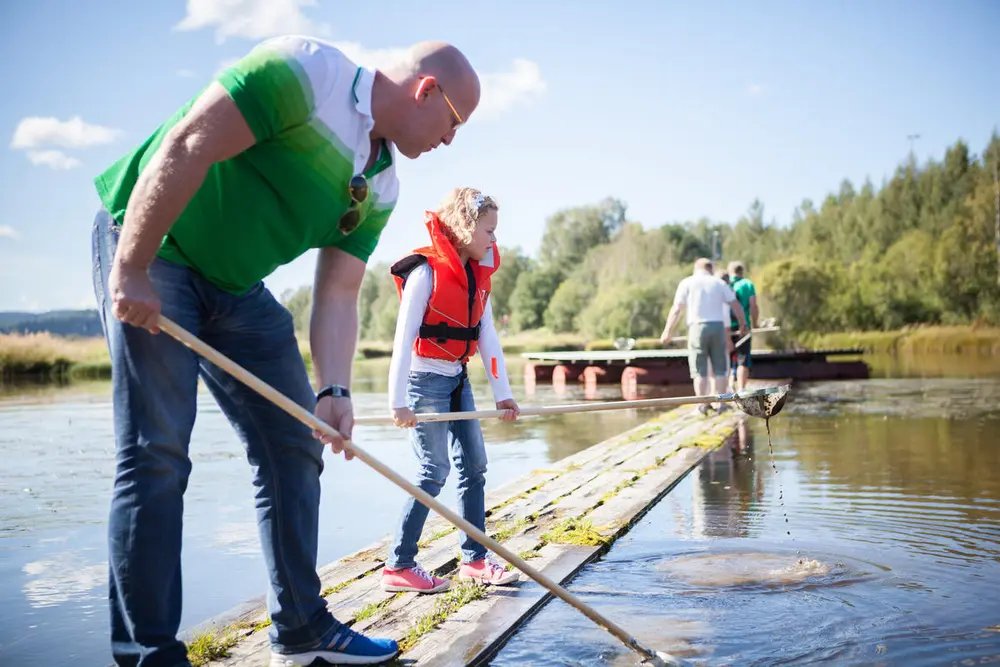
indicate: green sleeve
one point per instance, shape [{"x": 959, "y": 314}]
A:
[
  {"x": 362, "y": 241},
  {"x": 271, "y": 89}
]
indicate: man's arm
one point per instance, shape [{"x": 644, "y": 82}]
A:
[
  {"x": 737, "y": 309},
  {"x": 212, "y": 131},
  {"x": 333, "y": 335},
  {"x": 675, "y": 314},
  {"x": 333, "y": 325},
  {"x": 754, "y": 313}
]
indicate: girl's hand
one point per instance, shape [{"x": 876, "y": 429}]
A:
[
  {"x": 403, "y": 417},
  {"x": 511, "y": 411}
]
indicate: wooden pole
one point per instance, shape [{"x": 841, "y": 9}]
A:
[{"x": 309, "y": 419}]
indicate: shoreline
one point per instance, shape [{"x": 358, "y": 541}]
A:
[{"x": 48, "y": 359}]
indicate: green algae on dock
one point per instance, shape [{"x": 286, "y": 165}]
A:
[{"x": 562, "y": 518}]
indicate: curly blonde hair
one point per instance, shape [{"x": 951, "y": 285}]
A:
[{"x": 459, "y": 213}]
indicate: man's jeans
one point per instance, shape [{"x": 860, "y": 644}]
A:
[
  {"x": 154, "y": 386},
  {"x": 430, "y": 392}
]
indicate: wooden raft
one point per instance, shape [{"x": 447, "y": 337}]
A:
[{"x": 561, "y": 518}]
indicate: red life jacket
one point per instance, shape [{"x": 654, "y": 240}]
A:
[{"x": 450, "y": 327}]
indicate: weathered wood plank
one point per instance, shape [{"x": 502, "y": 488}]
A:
[
  {"x": 610, "y": 484},
  {"x": 473, "y": 628}
]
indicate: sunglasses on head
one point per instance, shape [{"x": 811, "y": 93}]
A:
[{"x": 351, "y": 218}]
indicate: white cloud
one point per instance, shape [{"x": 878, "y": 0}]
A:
[
  {"x": 36, "y": 131},
  {"x": 502, "y": 90},
  {"x": 186, "y": 73},
  {"x": 253, "y": 19},
  {"x": 260, "y": 19},
  {"x": 755, "y": 90},
  {"x": 52, "y": 158},
  {"x": 6, "y": 231}
]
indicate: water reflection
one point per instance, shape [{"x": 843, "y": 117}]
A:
[
  {"x": 58, "y": 453},
  {"x": 729, "y": 493},
  {"x": 893, "y": 502},
  {"x": 64, "y": 577}
]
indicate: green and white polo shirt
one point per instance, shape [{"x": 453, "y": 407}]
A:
[{"x": 309, "y": 107}]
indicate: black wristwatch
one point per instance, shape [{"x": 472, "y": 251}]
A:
[{"x": 335, "y": 390}]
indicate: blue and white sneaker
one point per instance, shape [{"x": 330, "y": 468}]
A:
[{"x": 345, "y": 647}]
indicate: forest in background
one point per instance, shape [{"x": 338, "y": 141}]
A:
[{"x": 919, "y": 249}]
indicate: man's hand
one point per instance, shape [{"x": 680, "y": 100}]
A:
[
  {"x": 664, "y": 339},
  {"x": 403, "y": 417},
  {"x": 511, "y": 411},
  {"x": 338, "y": 412},
  {"x": 133, "y": 299}
]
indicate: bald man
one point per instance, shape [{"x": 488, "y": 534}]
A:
[
  {"x": 706, "y": 299},
  {"x": 292, "y": 148}
]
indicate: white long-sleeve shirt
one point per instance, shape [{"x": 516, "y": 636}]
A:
[{"x": 416, "y": 295}]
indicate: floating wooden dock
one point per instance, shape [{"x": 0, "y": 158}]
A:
[
  {"x": 632, "y": 368},
  {"x": 561, "y": 518}
]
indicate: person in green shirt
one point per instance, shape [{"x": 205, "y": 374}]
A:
[
  {"x": 746, "y": 294},
  {"x": 292, "y": 148}
]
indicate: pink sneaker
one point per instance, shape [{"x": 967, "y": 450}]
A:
[
  {"x": 486, "y": 571},
  {"x": 412, "y": 579}
]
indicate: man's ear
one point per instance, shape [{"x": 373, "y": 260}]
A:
[{"x": 424, "y": 89}]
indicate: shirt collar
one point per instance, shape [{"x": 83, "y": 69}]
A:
[{"x": 364, "y": 81}]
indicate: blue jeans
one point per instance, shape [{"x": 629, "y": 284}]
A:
[
  {"x": 154, "y": 387},
  {"x": 430, "y": 392}
]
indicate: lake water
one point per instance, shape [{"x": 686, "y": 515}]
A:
[
  {"x": 876, "y": 542},
  {"x": 890, "y": 486},
  {"x": 57, "y": 449}
]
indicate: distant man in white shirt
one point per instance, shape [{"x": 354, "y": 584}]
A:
[{"x": 708, "y": 300}]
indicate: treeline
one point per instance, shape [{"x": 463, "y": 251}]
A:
[
  {"x": 920, "y": 249},
  {"x": 60, "y": 322}
]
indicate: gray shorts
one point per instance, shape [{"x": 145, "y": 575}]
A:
[{"x": 707, "y": 344}]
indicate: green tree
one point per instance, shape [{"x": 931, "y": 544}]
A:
[
  {"x": 531, "y": 296},
  {"x": 513, "y": 262},
  {"x": 798, "y": 289},
  {"x": 571, "y": 233}
]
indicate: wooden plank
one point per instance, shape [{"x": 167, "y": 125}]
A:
[
  {"x": 469, "y": 632},
  {"x": 662, "y": 450},
  {"x": 474, "y": 634}
]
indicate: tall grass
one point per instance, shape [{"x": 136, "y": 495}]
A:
[
  {"x": 46, "y": 355},
  {"x": 965, "y": 340}
]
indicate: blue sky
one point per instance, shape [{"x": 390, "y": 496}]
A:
[{"x": 681, "y": 111}]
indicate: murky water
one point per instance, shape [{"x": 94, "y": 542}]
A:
[
  {"x": 892, "y": 492},
  {"x": 56, "y": 445}
]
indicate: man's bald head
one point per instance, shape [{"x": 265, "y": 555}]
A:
[
  {"x": 703, "y": 264},
  {"x": 435, "y": 89},
  {"x": 450, "y": 67}
]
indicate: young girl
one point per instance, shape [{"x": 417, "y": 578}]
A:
[{"x": 444, "y": 318}]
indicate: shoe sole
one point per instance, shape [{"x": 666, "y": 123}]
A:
[
  {"x": 327, "y": 658},
  {"x": 389, "y": 588},
  {"x": 504, "y": 582}
]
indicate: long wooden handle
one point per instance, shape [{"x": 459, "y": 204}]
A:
[
  {"x": 557, "y": 409},
  {"x": 310, "y": 420}
]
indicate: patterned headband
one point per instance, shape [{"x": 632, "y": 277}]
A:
[{"x": 478, "y": 201}]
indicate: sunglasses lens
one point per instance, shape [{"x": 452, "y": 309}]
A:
[
  {"x": 349, "y": 221},
  {"x": 359, "y": 188}
]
